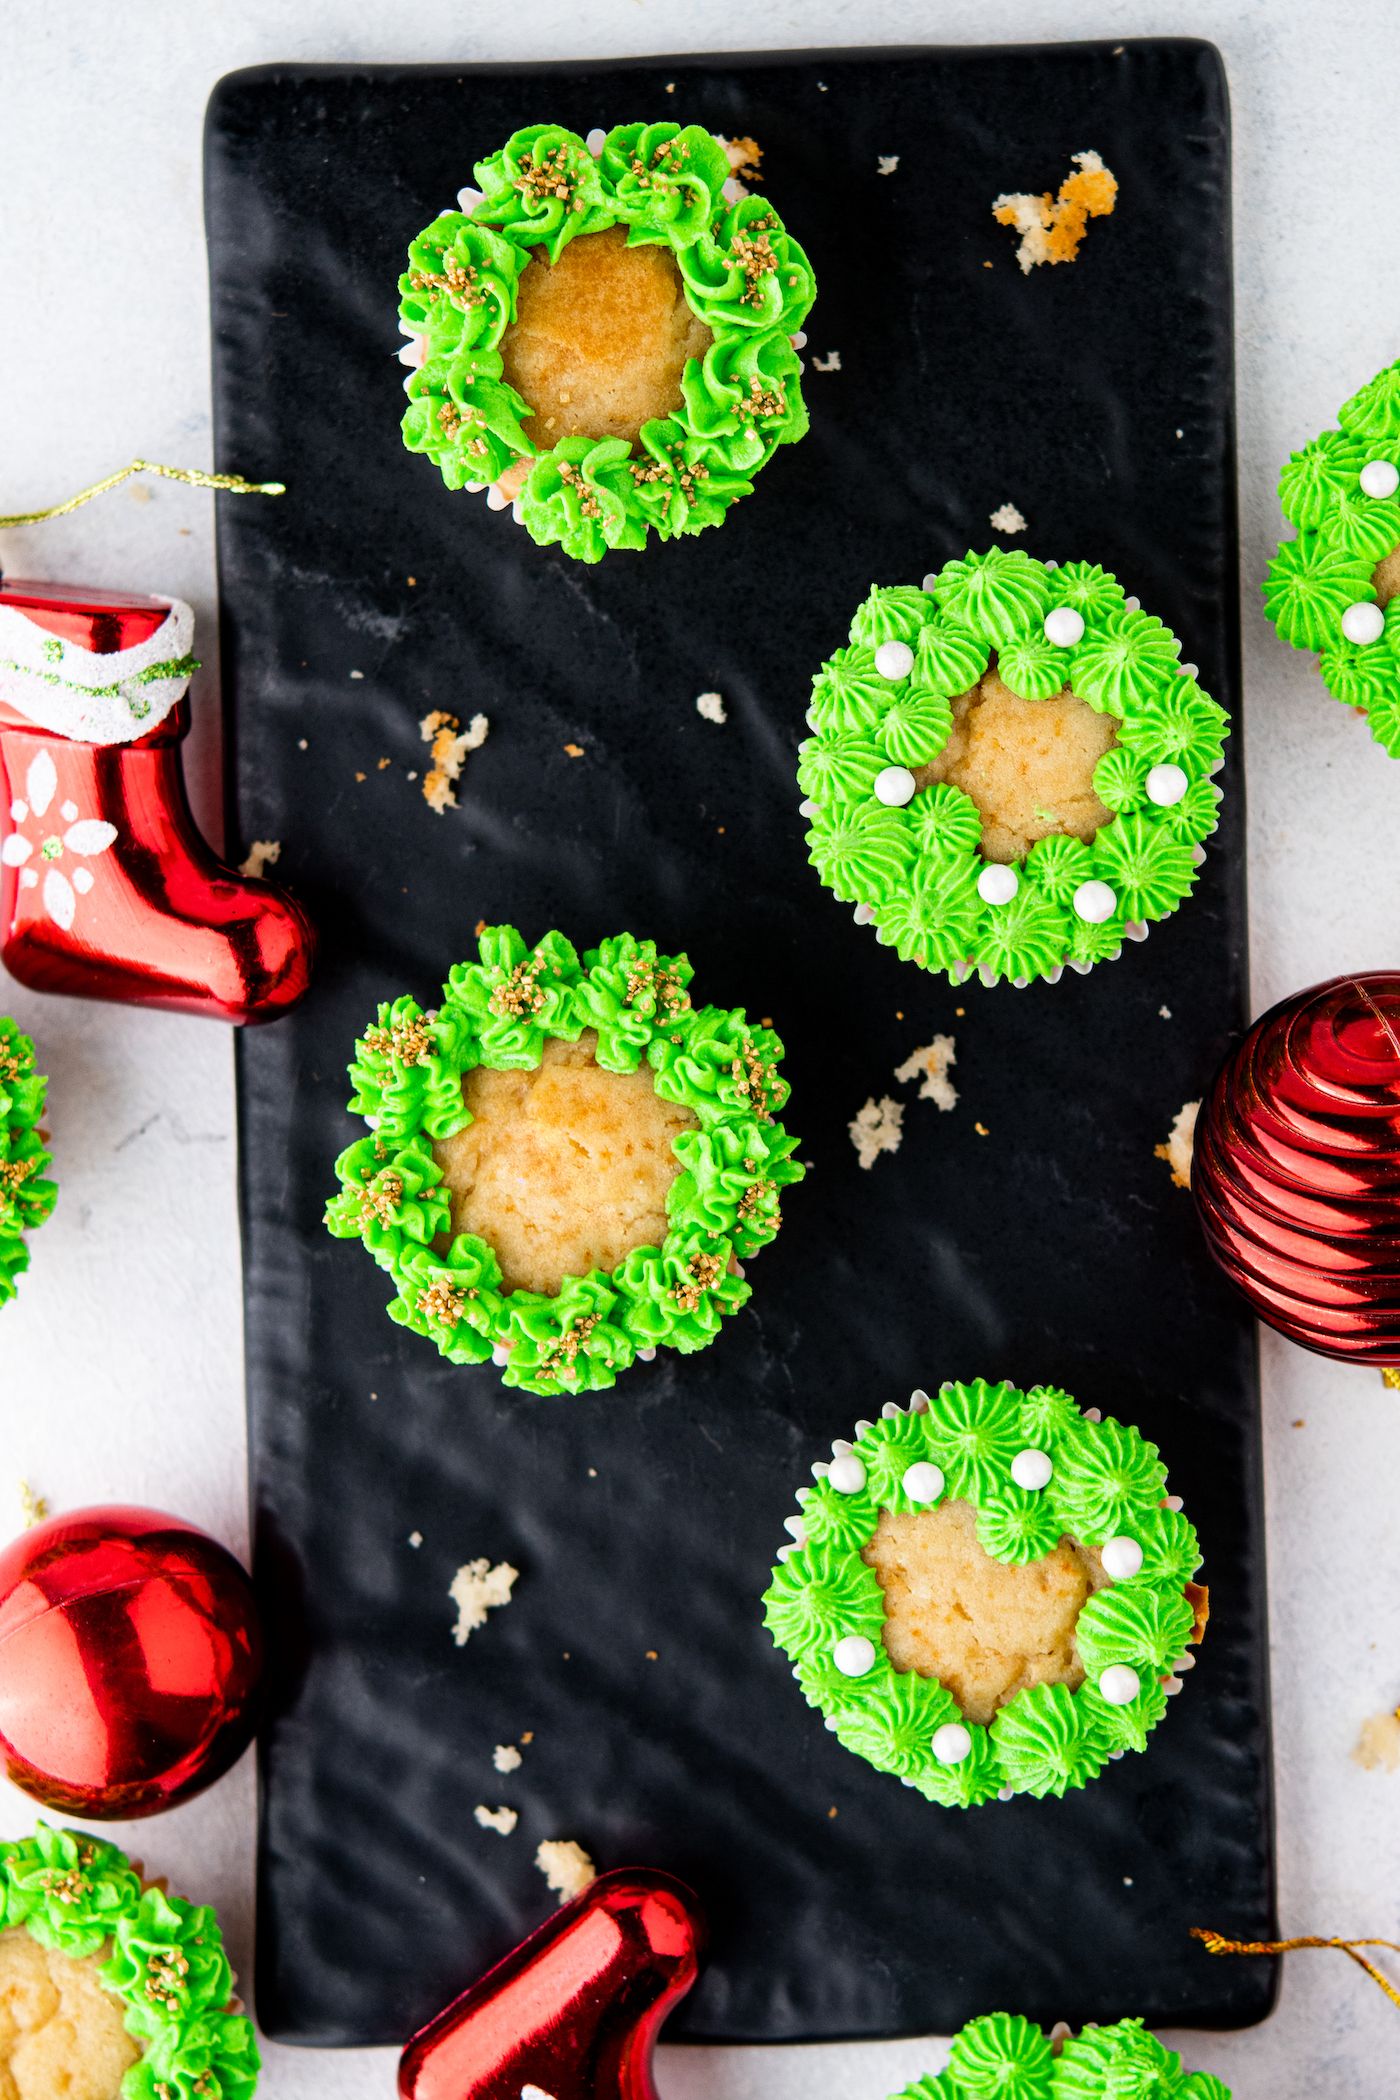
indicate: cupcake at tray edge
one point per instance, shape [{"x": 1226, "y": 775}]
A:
[
  {"x": 989, "y": 1593},
  {"x": 109, "y": 1985},
  {"x": 26, "y": 1196},
  {"x": 1010, "y": 771},
  {"x": 605, "y": 336},
  {"x": 1005, "y": 2057},
  {"x": 568, "y": 1161}
]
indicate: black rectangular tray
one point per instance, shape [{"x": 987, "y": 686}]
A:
[{"x": 1097, "y": 397}]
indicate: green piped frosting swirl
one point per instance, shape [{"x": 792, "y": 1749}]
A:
[
  {"x": 1002, "y": 2056},
  {"x": 74, "y": 1894},
  {"x": 499, "y": 1011},
  {"x": 744, "y": 276},
  {"x": 1342, "y": 536},
  {"x": 914, "y": 869},
  {"x": 1107, "y": 1483},
  {"x": 26, "y": 1195}
]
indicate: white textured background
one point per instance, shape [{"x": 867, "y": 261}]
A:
[{"x": 120, "y": 1365}]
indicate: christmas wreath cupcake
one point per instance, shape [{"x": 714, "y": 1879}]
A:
[
  {"x": 1335, "y": 588},
  {"x": 606, "y": 334},
  {"x": 989, "y": 1592},
  {"x": 110, "y": 1986},
  {"x": 568, "y": 1160},
  {"x": 1005, "y": 2057},
  {"x": 1009, "y": 771},
  {"x": 26, "y": 1198}
]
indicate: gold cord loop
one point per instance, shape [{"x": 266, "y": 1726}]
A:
[
  {"x": 234, "y": 483},
  {"x": 1214, "y": 1944}
]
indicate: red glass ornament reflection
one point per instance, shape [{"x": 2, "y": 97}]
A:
[
  {"x": 130, "y": 1662},
  {"x": 574, "y": 2012},
  {"x": 1297, "y": 1168},
  {"x": 103, "y": 621}
]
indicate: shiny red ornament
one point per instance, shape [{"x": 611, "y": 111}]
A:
[
  {"x": 574, "y": 2012},
  {"x": 139, "y": 911},
  {"x": 130, "y": 1662},
  {"x": 1296, "y": 1171}
]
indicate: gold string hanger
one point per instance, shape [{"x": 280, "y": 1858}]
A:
[
  {"x": 234, "y": 483},
  {"x": 1214, "y": 1944}
]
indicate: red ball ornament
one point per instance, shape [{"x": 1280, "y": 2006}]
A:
[
  {"x": 1296, "y": 1171},
  {"x": 574, "y": 2012},
  {"x": 130, "y": 1660}
]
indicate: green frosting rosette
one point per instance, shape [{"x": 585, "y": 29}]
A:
[
  {"x": 906, "y": 853},
  {"x": 744, "y": 277},
  {"x": 78, "y": 1896},
  {"x": 721, "y": 1208},
  {"x": 1036, "y": 1469},
  {"x": 26, "y": 1196},
  {"x": 1005, "y": 2057},
  {"x": 1335, "y": 589}
]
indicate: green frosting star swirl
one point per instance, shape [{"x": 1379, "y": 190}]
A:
[
  {"x": 744, "y": 276},
  {"x": 913, "y": 870},
  {"x": 500, "y": 1011},
  {"x": 1005, "y": 2057},
  {"x": 1106, "y": 1483},
  {"x": 26, "y": 1194}
]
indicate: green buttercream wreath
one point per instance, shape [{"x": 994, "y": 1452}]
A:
[
  {"x": 913, "y": 870},
  {"x": 1107, "y": 1483},
  {"x": 1343, "y": 534},
  {"x": 26, "y": 1197},
  {"x": 721, "y": 1207},
  {"x": 744, "y": 277},
  {"x": 74, "y": 1894},
  {"x": 1005, "y": 2057}
]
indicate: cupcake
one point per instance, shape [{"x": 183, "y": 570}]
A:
[
  {"x": 605, "y": 336},
  {"x": 26, "y": 1197},
  {"x": 1335, "y": 588},
  {"x": 1004, "y": 2057},
  {"x": 568, "y": 1161},
  {"x": 110, "y": 1985},
  {"x": 1009, "y": 771},
  {"x": 989, "y": 1593}
]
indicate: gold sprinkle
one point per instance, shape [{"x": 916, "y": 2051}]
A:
[{"x": 981, "y": 1129}]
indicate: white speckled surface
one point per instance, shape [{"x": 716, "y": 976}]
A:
[{"x": 120, "y": 1370}]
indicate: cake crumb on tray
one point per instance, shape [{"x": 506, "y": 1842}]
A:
[
  {"x": 475, "y": 1589},
  {"x": 566, "y": 1867},
  {"x": 506, "y": 1758},
  {"x": 448, "y": 754},
  {"x": 877, "y": 1128},
  {"x": 1051, "y": 231},
  {"x": 502, "y": 1820},
  {"x": 932, "y": 1061},
  {"x": 263, "y": 853},
  {"x": 1180, "y": 1146}
]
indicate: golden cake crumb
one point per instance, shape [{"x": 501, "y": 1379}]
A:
[
  {"x": 1180, "y": 1146},
  {"x": 1051, "y": 232},
  {"x": 1027, "y": 764},
  {"x": 477, "y": 1588},
  {"x": 743, "y": 156},
  {"x": 501, "y": 1820},
  {"x": 448, "y": 754},
  {"x": 932, "y": 1061},
  {"x": 877, "y": 1128},
  {"x": 983, "y": 1629},
  {"x": 261, "y": 854},
  {"x": 566, "y": 1867},
  {"x": 1379, "y": 1742},
  {"x": 565, "y": 1168},
  {"x": 61, "y": 2033}
]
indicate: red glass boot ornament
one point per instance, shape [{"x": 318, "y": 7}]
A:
[
  {"x": 130, "y": 1662},
  {"x": 107, "y": 890},
  {"x": 1296, "y": 1171},
  {"x": 574, "y": 2012}
]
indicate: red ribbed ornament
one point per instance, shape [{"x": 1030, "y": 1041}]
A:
[
  {"x": 1297, "y": 1168},
  {"x": 574, "y": 2012}
]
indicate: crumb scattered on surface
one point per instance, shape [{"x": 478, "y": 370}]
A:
[
  {"x": 1165, "y": 1012},
  {"x": 574, "y": 750},
  {"x": 1051, "y": 231},
  {"x": 506, "y": 1758},
  {"x": 651, "y": 1655},
  {"x": 502, "y": 1819},
  {"x": 528, "y": 1736},
  {"x": 383, "y": 763},
  {"x": 1300, "y": 1423},
  {"x": 1378, "y": 1743},
  {"x": 566, "y": 1867},
  {"x": 264, "y": 852},
  {"x": 1007, "y": 519},
  {"x": 876, "y": 1129},
  {"x": 415, "y": 1538},
  {"x": 743, "y": 156},
  {"x": 359, "y": 776},
  {"x": 1180, "y": 1145},
  {"x": 932, "y": 1061},
  {"x": 830, "y": 363},
  {"x": 888, "y": 162},
  {"x": 711, "y": 706},
  {"x": 981, "y": 1129},
  {"x": 448, "y": 754},
  {"x": 475, "y": 1589},
  {"x": 357, "y": 674}
]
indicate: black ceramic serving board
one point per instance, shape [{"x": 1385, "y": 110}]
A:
[{"x": 1028, "y": 1234}]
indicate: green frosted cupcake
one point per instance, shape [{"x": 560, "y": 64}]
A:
[
  {"x": 1335, "y": 589},
  {"x": 1009, "y": 770},
  {"x": 112, "y": 1986},
  {"x": 606, "y": 335},
  {"x": 26, "y": 1197},
  {"x": 1005, "y": 2057},
  {"x": 568, "y": 1160},
  {"x": 989, "y": 1593}
]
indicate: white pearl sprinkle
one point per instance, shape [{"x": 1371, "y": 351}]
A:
[
  {"x": 1032, "y": 1469},
  {"x": 1064, "y": 627},
  {"x": 1363, "y": 623},
  {"x": 1120, "y": 1685},
  {"x": 894, "y": 660},
  {"x": 1379, "y": 478},
  {"x": 595, "y": 142},
  {"x": 1122, "y": 1558},
  {"x": 854, "y": 1655},
  {"x": 922, "y": 1482},
  {"x": 895, "y": 786},
  {"x": 951, "y": 1743},
  {"x": 847, "y": 1474},
  {"x": 1166, "y": 785},
  {"x": 997, "y": 884},
  {"x": 1095, "y": 902}
]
